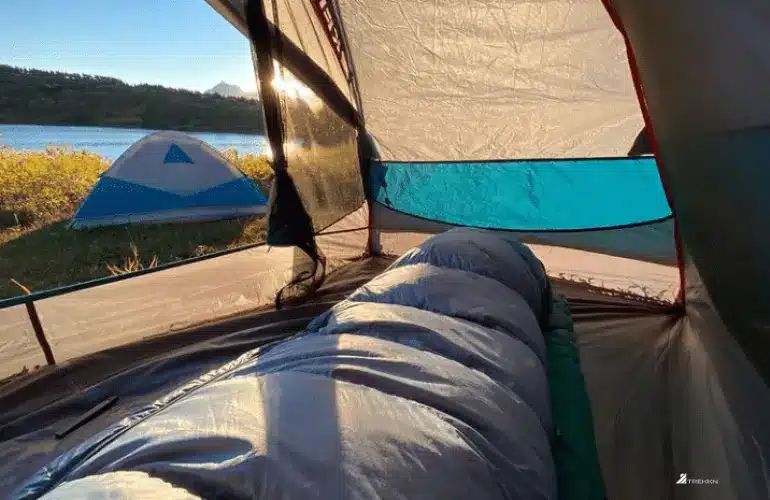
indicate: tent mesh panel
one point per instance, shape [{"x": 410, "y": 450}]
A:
[{"x": 322, "y": 156}]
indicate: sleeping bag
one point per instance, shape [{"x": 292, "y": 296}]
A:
[{"x": 427, "y": 382}]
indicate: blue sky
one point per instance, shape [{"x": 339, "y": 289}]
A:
[{"x": 176, "y": 43}]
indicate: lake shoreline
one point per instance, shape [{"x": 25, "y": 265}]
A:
[{"x": 111, "y": 142}]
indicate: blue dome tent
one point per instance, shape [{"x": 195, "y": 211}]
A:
[
  {"x": 469, "y": 289},
  {"x": 169, "y": 177}
]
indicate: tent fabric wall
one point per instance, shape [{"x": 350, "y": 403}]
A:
[
  {"x": 549, "y": 79},
  {"x": 710, "y": 112},
  {"x": 104, "y": 317},
  {"x": 19, "y": 348},
  {"x": 653, "y": 242},
  {"x": 672, "y": 393},
  {"x": 727, "y": 397},
  {"x": 347, "y": 238},
  {"x": 525, "y": 195},
  {"x": 613, "y": 274},
  {"x": 639, "y": 260}
]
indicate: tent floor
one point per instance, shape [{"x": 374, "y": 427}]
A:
[{"x": 38, "y": 406}]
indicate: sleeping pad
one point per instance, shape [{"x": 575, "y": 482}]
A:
[{"x": 427, "y": 382}]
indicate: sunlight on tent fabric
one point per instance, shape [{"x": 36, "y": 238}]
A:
[
  {"x": 292, "y": 88},
  {"x": 288, "y": 148}
]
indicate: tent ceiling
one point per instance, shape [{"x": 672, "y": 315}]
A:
[
  {"x": 474, "y": 80},
  {"x": 467, "y": 80}
]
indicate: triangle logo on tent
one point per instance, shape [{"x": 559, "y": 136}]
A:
[{"x": 176, "y": 155}]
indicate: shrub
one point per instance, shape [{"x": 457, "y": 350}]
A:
[
  {"x": 256, "y": 167},
  {"x": 47, "y": 185}
]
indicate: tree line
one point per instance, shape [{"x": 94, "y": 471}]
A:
[{"x": 30, "y": 96}]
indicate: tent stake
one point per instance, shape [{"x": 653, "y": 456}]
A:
[{"x": 39, "y": 333}]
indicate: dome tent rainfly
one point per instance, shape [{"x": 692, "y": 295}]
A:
[
  {"x": 169, "y": 177},
  {"x": 513, "y": 116}
]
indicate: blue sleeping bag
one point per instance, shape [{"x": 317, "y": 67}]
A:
[{"x": 427, "y": 382}]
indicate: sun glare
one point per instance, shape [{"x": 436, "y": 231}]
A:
[
  {"x": 293, "y": 88},
  {"x": 285, "y": 83}
]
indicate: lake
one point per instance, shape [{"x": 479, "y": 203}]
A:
[{"x": 111, "y": 142}]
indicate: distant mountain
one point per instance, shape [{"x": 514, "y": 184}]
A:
[{"x": 225, "y": 89}]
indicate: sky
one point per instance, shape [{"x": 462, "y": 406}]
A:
[{"x": 175, "y": 43}]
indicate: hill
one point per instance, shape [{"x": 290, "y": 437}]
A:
[
  {"x": 30, "y": 96},
  {"x": 229, "y": 90},
  {"x": 226, "y": 90}
]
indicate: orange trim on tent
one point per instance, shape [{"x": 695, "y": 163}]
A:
[{"x": 651, "y": 134}]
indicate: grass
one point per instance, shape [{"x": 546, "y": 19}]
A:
[{"x": 39, "y": 194}]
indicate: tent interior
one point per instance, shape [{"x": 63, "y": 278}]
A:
[{"x": 514, "y": 117}]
